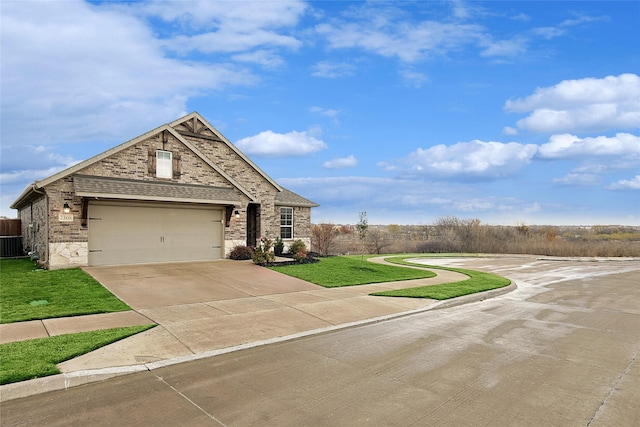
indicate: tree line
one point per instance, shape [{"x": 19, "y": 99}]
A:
[{"x": 454, "y": 235}]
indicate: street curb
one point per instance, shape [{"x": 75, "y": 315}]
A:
[
  {"x": 62, "y": 381},
  {"x": 72, "y": 379}
]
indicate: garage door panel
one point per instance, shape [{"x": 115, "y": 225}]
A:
[{"x": 129, "y": 234}]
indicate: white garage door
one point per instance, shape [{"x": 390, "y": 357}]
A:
[{"x": 121, "y": 233}]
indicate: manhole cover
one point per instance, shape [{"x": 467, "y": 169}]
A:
[{"x": 39, "y": 302}]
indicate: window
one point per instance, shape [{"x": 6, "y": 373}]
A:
[
  {"x": 164, "y": 164},
  {"x": 286, "y": 223}
]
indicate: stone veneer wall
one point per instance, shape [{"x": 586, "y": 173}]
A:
[
  {"x": 68, "y": 254},
  {"x": 68, "y": 241}
]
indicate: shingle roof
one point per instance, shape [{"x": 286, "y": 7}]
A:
[
  {"x": 118, "y": 188},
  {"x": 289, "y": 198}
]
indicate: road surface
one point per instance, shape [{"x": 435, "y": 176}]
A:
[{"x": 561, "y": 350}]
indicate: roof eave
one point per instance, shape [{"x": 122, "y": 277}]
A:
[
  {"x": 116, "y": 196},
  {"x": 75, "y": 168},
  {"x": 28, "y": 192}
]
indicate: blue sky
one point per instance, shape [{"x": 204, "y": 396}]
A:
[{"x": 508, "y": 112}]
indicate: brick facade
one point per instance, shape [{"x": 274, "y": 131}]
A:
[
  {"x": 63, "y": 240},
  {"x": 34, "y": 224}
]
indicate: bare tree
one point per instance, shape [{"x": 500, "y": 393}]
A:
[
  {"x": 379, "y": 240},
  {"x": 322, "y": 237}
]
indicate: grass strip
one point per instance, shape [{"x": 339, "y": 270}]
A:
[
  {"x": 25, "y": 360},
  {"x": 28, "y": 293},
  {"x": 338, "y": 271},
  {"x": 478, "y": 281}
]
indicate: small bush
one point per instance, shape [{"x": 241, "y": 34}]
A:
[
  {"x": 241, "y": 252},
  {"x": 278, "y": 247},
  {"x": 263, "y": 253},
  {"x": 296, "y": 246},
  {"x": 300, "y": 256},
  {"x": 298, "y": 250}
]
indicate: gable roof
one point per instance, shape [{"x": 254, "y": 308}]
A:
[
  {"x": 33, "y": 188},
  {"x": 289, "y": 198}
]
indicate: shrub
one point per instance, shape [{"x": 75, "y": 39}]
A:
[
  {"x": 299, "y": 250},
  {"x": 296, "y": 246},
  {"x": 241, "y": 252},
  {"x": 300, "y": 256},
  {"x": 263, "y": 253},
  {"x": 278, "y": 247}
]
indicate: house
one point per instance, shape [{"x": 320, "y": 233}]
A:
[{"x": 180, "y": 192}]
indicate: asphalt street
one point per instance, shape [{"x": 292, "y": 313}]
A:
[{"x": 561, "y": 350}]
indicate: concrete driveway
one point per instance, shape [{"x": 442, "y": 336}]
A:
[{"x": 202, "y": 307}]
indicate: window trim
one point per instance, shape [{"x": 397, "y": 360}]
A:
[
  {"x": 163, "y": 161},
  {"x": 284, "y": 226}
]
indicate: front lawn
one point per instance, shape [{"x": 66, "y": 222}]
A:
[
  {"x": 478, "y": 281},
  {"x": 25, "y": 360},
  {"x": 351, "y": 270},
  {"x": 31, "y": 293},
  {"x": 338, "y": 271},
  {"x": 28, "y": 293}
]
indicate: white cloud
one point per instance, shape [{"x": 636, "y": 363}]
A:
[
  {"x": 17, "y": 158},
  {"x": 576, "y": 178},
  {"x": 626, "y": 184},
  {"x": 566, "y": 146},
  {"x": 272, "y": 144},
  {"x": 382, "y": 29},
  {"x": 244, "y": 17},
  {"x": 231, "y": 41},
  {"x": 513, "y": 47},
  {"x": 475, "y": 158},
  {"x": 397, "y": 200},
  {"x": 341, "y": 163},
  {"x": 327, "y": 112},
  {"x": 389, "y": 37},
  {"x": 414, "y": 78},
  {"x": 73, "y": 82},
  {"x": 332, "y": 70},
  {"x": 266, "y": 58},
  {"x": 583, "y": 105}
]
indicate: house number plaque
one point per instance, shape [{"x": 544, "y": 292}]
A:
[{"x": 65, "y": 217}]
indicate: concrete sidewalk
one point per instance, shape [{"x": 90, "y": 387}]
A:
[
  {"x": 11, "y": 332},
  {"x": 204, "y": 309}
]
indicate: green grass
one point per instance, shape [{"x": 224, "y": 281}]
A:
[
  {"x": 339, "y": 271},
  {"x": 28, "y": 293},
  {"x": 25, "y": 360},
  {"x": 477, "y": 282}
]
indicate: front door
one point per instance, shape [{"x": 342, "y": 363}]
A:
[{"x": 253, "y": 224}]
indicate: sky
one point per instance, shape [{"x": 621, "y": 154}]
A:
[{"x": 510, "y": 112}]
